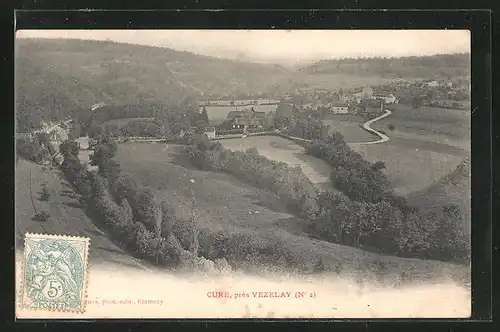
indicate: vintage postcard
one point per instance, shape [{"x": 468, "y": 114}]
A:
[{"x": 243, "y": 174}]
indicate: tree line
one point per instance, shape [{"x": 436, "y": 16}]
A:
[
  {"x": 360, "y": 209},
  {"x": 132, "y": 214}
]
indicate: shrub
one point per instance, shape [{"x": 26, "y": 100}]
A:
[
  {"x": 434, "y": 234},
  {"x": 33, "y": 150},
  {"x": 222, "y": 266},
  {"x": 69, "y": 148},
  {"x": 78, "y": 175},
  {"x": 319, "y": 266},
  {"x": 45, "y": 194},
  {"x": 183, "y": 229},
  {"x": 249, "y": 250},
  {"x": 149, "y": 211},
  {"x": 42, "y": 216}
]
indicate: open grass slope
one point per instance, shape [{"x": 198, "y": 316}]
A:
[
  {"x": 453, "y": 188},
  {"x": 67, "y": 216},
  {"x": 425, "y": 145},
  {"x": 223, "y": 202},
  {"x": 431, "y": 128},
  {"x": 350, "y": 126}
]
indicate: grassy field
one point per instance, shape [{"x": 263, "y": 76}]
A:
[
  {"x": 349, "y": 126},
  {"x": 425, "y": 145},
  {"x": 409, "y": 169},
  {"x": 223, "y": 202},
  {"x": 447, "y": 128},
  {"x": 281, "y": 149},
  {"x": 454, "y": 188},
  {"x": 67, "y": 216}
]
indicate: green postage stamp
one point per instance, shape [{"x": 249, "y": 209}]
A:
[{"x": 54, "y": 276}]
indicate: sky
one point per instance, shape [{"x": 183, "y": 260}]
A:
[{"x": 287, "y": 47}]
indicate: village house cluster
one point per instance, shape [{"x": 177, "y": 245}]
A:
[{"x": 338, "y": 102}]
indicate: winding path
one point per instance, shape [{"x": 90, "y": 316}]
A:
[{"x": 383, "y": 137}]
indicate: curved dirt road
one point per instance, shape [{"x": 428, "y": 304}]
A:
[{"x": 383, "y": 138}]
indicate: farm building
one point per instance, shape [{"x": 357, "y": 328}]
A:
[
  {"x": 365, "y": 93},
  {"x": 83, "y": 143},
  {"x": 388, "y": 99},
  {"x": 339, "y": 108},
  {"x": 247, "y": 117}
]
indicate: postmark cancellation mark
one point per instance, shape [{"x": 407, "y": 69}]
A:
[{"x": 55, "y": 272}]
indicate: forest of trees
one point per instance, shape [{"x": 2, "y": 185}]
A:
[{"x": 443, "y": 65}]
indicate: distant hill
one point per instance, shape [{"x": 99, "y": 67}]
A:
[
  {"x": 435, "y": 66},
  {"x": 57, "y": 77}
]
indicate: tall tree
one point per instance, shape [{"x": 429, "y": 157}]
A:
[{"x": 204, "y": 115}]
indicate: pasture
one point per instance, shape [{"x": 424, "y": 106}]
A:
[
  {"x": 349, "y": 126},
  {"x": 425, "y": 145},
  {"x": 409, "y": 169},
  {"x": 454, "y": 188},
  {"x": 448, "y": 127},
  {"x": 223, "y": 199},
  {"x": 225, "y": 203},
  {"x": 286, "y": 151},
  {"x": 67, "y": 215}
]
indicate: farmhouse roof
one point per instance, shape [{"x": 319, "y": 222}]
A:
[
  {"x": 242, "y": 120},
  {"x": 340, "y": 104},
  {"x": 259, "y": 114}
]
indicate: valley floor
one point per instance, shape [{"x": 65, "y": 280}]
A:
[{"x": 224, "y": 202}]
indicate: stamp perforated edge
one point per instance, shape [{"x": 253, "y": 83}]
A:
[{"x": 85, "y": 277}]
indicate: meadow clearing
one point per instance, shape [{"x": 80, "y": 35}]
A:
[
  {"x": 349, "y": 126},
  {"x": 444, "y": 128},
  {"x": 67, "y": 214},
  {"x": 225, "y": 203},
  {"x": 425, "y": 144}
]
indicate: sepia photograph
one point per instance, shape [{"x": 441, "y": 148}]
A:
[{"x": 243, "y": 173}]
